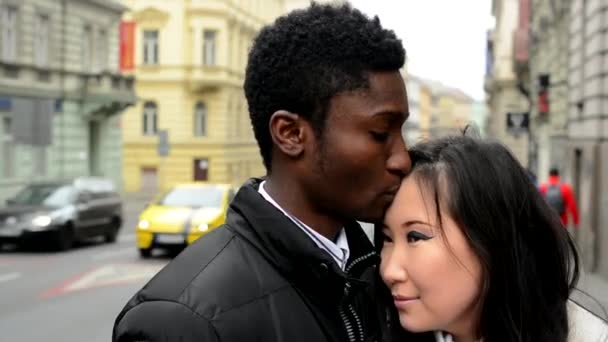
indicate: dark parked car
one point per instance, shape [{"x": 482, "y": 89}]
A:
[{"x": 61, "y": 213}]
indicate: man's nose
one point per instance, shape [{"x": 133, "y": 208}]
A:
[{"x": 399, "y": 161}]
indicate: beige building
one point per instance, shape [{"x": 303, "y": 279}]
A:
[
  {"x": 503, "y": 96},
  {"x": 190, "y": 59},
  {"x": 296, "y": 4},
  {"x": 435, "y": 109},
  {"x": 447, "y": 110}
]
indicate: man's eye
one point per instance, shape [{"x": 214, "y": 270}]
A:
[
  {"x": 379, "y": 136},
  {"x": 414, "y": 236}
]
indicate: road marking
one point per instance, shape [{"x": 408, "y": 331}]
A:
[
  {"x": 107, "y": 275},
  {"x": 6, "y": 261},
  {"x": 114, "y": 254},
  {"x": 9, "y": 276},
  {"x": 126, "y": 237}
]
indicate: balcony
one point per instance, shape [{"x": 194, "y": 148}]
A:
[
  {"x": 101, "y": 94},
  {"x": 107, "y": 86},
  {"x": 211, "y": 78}
]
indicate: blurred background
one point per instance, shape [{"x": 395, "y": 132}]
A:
[{"x": 109, "y": 109}]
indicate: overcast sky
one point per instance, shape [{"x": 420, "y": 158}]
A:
[{"x": 444, "y": 39}]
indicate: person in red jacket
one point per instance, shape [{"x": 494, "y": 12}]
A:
[{"x": 560, "y": 196}]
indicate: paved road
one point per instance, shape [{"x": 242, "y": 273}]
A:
[{"x": 75, "y": 295}]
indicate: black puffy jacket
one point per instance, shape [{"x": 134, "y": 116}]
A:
[{"x": 257, "y": 278}]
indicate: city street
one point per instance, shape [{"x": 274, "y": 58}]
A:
[{"x": 76, "y": 295}]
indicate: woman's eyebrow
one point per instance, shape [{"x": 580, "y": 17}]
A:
[{"x": 412, "y": 222}]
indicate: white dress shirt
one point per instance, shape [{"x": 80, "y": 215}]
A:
[
  {"x": 443, "y": 337},
  {"x": 338, "y": 250}
]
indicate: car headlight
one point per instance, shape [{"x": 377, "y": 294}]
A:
[
  {"x": 143, "y": 224},
  {"x": 42, "y": 221},
  {"x": 203, "y": 227}
]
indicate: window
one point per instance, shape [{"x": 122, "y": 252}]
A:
[
  {"x": 200, "y": 120},
  {"x": 201, "y": 170},
  {"x": 9, "y": 33},
  {"x": 41, "y": 40},
  {"x": 196, "y": 197},
  {"x": 150, "y": 118},
  {"x": 209, "y": 48},
  {"x": 150, "y": 47},
  {"x": 87, "y": 48},
  {"x": 102, "y": 51},
  {"x": 8, "y": 149},
  {"x": 52, "y": 195}
]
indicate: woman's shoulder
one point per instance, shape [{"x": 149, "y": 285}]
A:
[{"x": 585, "y": 326}]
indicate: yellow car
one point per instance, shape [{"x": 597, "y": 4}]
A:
[{"x": 182, "y": 215}]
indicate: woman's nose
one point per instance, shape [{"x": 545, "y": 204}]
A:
[{"x": 392, "y": 267}]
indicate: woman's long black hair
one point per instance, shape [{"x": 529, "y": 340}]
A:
[{"x": 529, "y": 262}]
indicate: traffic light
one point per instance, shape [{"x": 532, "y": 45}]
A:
[{"x": 543, "y": 94}]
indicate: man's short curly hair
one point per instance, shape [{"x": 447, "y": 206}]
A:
[{"x": 307, "y": 57}]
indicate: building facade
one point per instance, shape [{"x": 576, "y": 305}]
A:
[
  {"x": 290, "y": 5},
  {"x": 560, "y": 60},
  {"x": 191, "y": 88},
  {"x": 585, "y": 156},
  {"x": 436, "y": 109},
  {"x": 479, "y": 117},
  {"x": 548, "y": 44},
  {"x": 61, "y": 91},
  {"x": 501, "y": 85},
  {"x": 450, "y": 109},
  {"x": 412, "y": 129}
]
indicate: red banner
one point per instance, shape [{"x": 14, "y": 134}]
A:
[{"x": 127, "y": 46}]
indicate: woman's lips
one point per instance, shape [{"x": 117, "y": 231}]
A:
[{"x": 403, "y": 301}]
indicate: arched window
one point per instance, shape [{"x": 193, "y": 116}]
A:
[
  {"x": 200, "y": 119},
  {"x": 150, "y": 118}
]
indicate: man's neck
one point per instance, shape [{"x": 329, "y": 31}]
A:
[{"x": 290, "y": 196}]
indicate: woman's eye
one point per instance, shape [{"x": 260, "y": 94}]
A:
[
  {"x": 379, "y": 136},
  {"x": 415, "y": 236}
]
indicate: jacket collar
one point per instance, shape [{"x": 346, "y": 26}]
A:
[{"x": 288, "y": 248}]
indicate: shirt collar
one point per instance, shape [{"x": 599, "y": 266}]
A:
[{"x": 339, "y": 250}]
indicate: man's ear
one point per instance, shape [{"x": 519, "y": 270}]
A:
[{"x": 288, "y": 132}]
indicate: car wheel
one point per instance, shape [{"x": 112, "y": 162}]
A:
[
  {"x": 145, "y": 252},
  {"x": 112, "y": 234},
  {"x": 65, "y": 238}
]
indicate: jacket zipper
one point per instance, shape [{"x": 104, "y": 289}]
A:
[
  {"x": 358, "y": 260},
  {"x": 357, "y": 321},
  {"x": 349, "y": 328}
]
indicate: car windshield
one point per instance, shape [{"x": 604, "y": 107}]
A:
[
  {"x": 202, "y": 197},
  {"x": 46, "y": 195}
]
